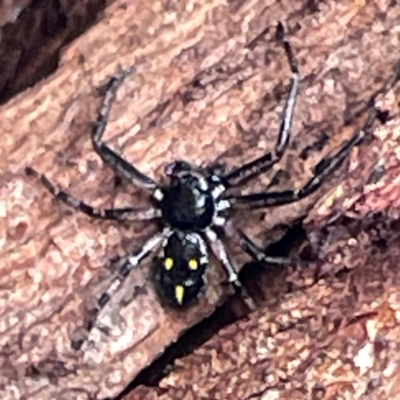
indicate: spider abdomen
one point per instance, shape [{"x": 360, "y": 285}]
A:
[{"x": 180, "y": 268}]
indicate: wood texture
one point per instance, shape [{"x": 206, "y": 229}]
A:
[{"x": 203, "y": 68}]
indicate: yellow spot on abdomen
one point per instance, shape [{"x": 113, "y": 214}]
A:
[
  {"x": 168, "y": 263},
  {"x": 193, "y": 264},
  {"x": 179, "y": 293}
]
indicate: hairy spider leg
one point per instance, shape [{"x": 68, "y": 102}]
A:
[
  {"x": 109, "y": 156},
  {"x": 119, "y": 214},
  {"x": 220, "y": 253},
  {"x": 323, "y": 169},
  {"x": 253, "y": 169},
  {"x": 133, "y": 261}
]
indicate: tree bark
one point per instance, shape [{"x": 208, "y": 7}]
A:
[
  {"x": 334, "y": 333},
  {"x": 202, "y": 70}
]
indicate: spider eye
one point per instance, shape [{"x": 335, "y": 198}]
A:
[
  {"x": 193, "y": 264},
  {"x": 179, "y": 293},
  {"x": 168, "y": 263}
]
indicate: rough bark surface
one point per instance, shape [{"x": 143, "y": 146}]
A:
[
  {"x": 336, "y": 334},
  {"x": 203, "y": 68}
]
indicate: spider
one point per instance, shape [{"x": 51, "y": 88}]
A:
[{"x": 194, "y": 205}]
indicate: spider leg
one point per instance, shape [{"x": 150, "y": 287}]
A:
[
  {"x": 109, "y": 156},
  {"x": 258, "y": 254},
  {"x": 323, "y": 169},
  {"x": 120, "y": 214},
  {"x": 240, "y": 176},
  {"x": 132, "y": 262},
  {"x": 222, "y": 256}
]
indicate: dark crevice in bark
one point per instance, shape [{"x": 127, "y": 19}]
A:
[
  {"x": 231, "y": 311},
  {"x": 30, "y": 47}
]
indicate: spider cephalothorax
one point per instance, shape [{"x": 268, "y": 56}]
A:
[
  {"x": 193, "y": 206},
  {"x": 191, "y": 201}
]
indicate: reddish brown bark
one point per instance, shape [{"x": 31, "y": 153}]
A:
[
  {"x": 51, "y": 260},
  {"x": 334, "y": 338}
]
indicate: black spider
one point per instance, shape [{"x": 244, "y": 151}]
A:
[{"x": 194, "y": 205}]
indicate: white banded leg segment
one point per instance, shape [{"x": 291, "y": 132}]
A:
[
  {"x": 221, "y": 254},
  {"x": 220, "y": 206},
  {"x": 217, "y": 191},
  {"x": 287, "y": 116},
  {"x": 133, "y": 261},
  {"x": 109, "y": 156}
]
